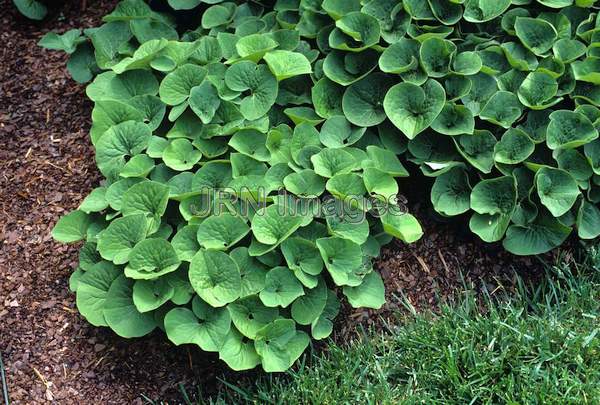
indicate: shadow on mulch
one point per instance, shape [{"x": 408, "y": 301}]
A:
[{"x": 47, "y": 168}]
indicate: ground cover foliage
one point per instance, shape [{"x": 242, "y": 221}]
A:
[
  {"x": 32, "y": 9},
  {"x": 540, "y": 345},
  {"x": 497, "y": 101}
]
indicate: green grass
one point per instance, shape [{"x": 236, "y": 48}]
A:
[
  {"x": 542, "y": 346},
  {"x": 5, "y": 398}
]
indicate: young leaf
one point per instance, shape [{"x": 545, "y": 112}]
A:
[{"x": 286, "y": 64}]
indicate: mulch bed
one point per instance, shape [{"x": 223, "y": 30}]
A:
[{"x": 47, "y": 167}]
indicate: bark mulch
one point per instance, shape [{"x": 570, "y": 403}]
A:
[{"x": 47, "y": 167}]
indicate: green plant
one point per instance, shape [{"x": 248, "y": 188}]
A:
[
  {"x": 318, "y": 99},
  {"x": 177, "y": 123},
  {"x": 32, "y": 9},
  {"x": 539, "y": 345}
]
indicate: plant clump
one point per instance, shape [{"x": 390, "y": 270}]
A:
[{"x": 251, "y": 159}]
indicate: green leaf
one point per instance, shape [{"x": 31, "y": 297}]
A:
[
  {"x": 238, "y": 353},
  {"x": 363, "y": 101},
  {"x": 322, "y": 327},
  {"x": 286, "y": 64},
  {"x": 95, "y": 201},
  {"x": 339, "y": 8},
  {"x": 215, "y": 277},
  {"x": 254, "y": 47},
  {"x": 490, "y": 228},
  {"x": 349, "y": 224},
  {"x": 536, "y": 34},
  {"x": 569, "y": 129},
  {"x": 587, "y": 70},
  {"x": 435, "y": 56},
  {"x": 454, "y": 119},
  {"x": 557, "y": 190},
  {"x": 305, "y": 183},
  {"x": 494, "y": 196},
  {"x": 82, "y": 64},
  {"x": 541, "y": 236},
  {"x": 275, "y": 223},
  {"x": 359, "y": 26},
  {"x": 151, "y": 258},
  {"x": 341, "y": 258},
  {"x": 149, "y": 198},
  {"x": 478, "y": 149},
  {"x": 514, "y": 147},
  {"x": 346, "y": 69},
  {"x": 568, "y": 50},
  {"x": 221, "y": 232},
  {"x": 92, "y": 289},
  {"x": 355, "y": 32},
  {"x": 412, "y": 108},
  {"x": 88, "y": 256},
  {"x": 251, "y": 143},
  {"x": 279, "y": 345},
  {"x": 252, "y": 272},
  {"x": 503, "y": 109},
  {"x": 176, "y": 87},
  {"x": 142, "y": 57},
  {"x": 302, "y": 254},
  {"x": 72, "y": 227},
  {"x": 346, "y": 187},
  {"x": 337, "y": 132},
  {"x": 149, "y": 295},
  {"x": 401, "y": 225},
  {"x": 181, "y": 155},
  {"x": 588, "y": 221},
  {"x": 205, "y": 101},
  {"x": 123, "y": 140},
  {"x": 379, "y": 184},
  {"x": 477, "y": 11},
  {"x": 281, "y": 288},
  {"x": 138, "y": 166},
  {"x": 451, "y": 192},
  {"x": 327, "y": 98},
  {"x": 575, "y": 163},
  {"x": 467, "y": 63},
  {"x": 249, "y": 315},
  {"x": 205, "y": 326},
  {"x": 217, "y": 15},
  {"x": 400, "y": 57},
  {"x": 122, "y": 234},
  {"x": 31, "y": 9},
  {"x": 482, "y": 88},
  {"x": 74, "y": 279},
  {"x": 246, "y": 76},
  {"x": 308, "y": 308},
  {"x": 537, "y": 90},
  {"x": 66, "y": 42},
  {"x": 184, "y": 4},
  {"x": 370, "y": 294},
  {"x": 121, "y": 314}
]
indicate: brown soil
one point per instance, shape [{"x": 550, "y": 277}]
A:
[{"x": 47, "y": 167}]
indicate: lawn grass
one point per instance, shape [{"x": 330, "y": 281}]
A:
[{"x": 541, "y": 346}]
